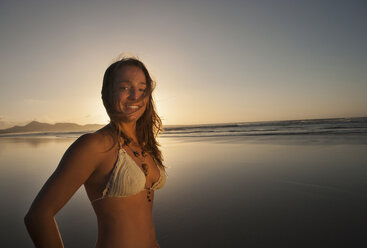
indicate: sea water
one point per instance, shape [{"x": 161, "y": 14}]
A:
[{"x": 270, "y": 184}]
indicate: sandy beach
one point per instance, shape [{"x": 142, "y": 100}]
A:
[{"x": 221, "y": 192}]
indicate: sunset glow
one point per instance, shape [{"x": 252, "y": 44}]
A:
[{"x": 214, "y": 62}]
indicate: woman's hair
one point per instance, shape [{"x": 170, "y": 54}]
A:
[{"x": 149, "y": 124}]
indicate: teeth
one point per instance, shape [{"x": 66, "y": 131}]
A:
[{"x": 133, "y": 107}]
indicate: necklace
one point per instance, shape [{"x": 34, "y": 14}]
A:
[{"x": 141, "y": 156}]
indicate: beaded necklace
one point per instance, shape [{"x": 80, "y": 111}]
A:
[{"x": 141, "y": 156}]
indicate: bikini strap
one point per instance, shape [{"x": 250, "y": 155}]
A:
[{"x": 120, "y": 143}]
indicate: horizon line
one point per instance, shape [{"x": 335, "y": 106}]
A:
[{"x": 200, "y": 124}]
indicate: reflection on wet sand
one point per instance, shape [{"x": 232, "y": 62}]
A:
[{"x": 220, "y": 192}]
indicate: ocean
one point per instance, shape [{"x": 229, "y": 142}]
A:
[
  {"x": 298, "y": 183},
  {"x": 337, "y": 126},
  {"x": 331, "y": 127}
]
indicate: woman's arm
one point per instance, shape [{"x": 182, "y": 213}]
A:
[{"x": 78, "y": 163}]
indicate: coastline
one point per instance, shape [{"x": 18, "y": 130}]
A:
[{"x": 228, "y": 191}]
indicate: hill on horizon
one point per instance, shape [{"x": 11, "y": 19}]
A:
[{"x": 36, "y": 126}]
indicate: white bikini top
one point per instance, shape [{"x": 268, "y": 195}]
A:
[{"x": 127, "y": 178}]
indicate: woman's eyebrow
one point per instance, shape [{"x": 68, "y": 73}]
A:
[
  {"x": 124, "y": 81},
  {"x": 128, "y": 81}
]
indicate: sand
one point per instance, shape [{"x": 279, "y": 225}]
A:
[{"x": 220, "y": 192}]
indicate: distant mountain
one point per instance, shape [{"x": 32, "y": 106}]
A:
[{"x": 36, "y": 126}]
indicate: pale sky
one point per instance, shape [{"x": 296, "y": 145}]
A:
[{"x": 214, "y": 61}]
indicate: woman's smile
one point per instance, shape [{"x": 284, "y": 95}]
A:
[
  {"x": 130, "y": 109},
  {"x": 130, "y": 90}
]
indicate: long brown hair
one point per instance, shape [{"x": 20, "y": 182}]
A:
[{"x": 149, "y": 124}]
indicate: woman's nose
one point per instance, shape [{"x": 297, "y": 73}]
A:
[{"x": 133, "y": 94}]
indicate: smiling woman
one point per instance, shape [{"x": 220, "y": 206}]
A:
[
  {"x": 130, "y": 88},
  {"x": 120, "y": 166}
]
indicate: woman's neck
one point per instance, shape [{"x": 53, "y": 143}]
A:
[{"x": 129, "y": 128}]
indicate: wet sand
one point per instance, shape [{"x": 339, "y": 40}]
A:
[{"x": 220, "y": 192}]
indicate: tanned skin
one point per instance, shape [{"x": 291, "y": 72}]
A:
[{"x": 122, "y": 222}]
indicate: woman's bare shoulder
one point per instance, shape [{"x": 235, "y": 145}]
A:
[{"x": 99, "y": 141}]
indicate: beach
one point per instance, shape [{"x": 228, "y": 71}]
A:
[{"x": 221, "y": 191}]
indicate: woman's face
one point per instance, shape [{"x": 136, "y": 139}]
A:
[{"x": 129, "y": 90}]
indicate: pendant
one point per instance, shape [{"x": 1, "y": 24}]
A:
[{"x": 148, "y": 195}]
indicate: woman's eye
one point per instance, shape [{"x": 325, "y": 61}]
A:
[
  {"x": 142, "y": 90},
  {"x": 123, "y": 88}
]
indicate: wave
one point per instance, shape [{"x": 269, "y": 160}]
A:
[
  {"x": 335, "y": 126},
  {"x": 339, "y": 126},
  {"x": 45, "y": 134}
]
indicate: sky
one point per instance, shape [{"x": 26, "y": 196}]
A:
[{"x": 213, "y": 61}]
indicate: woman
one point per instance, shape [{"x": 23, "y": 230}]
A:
[{"x": 120, "y": 166}]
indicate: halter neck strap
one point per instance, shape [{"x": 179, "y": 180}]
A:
[{"x": 120, "y": 143}]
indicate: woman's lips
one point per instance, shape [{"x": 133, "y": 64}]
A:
[{"x": 130, "y": 109}]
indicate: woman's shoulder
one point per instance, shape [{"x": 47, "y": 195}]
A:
[{"x": 100, "y": 140}]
